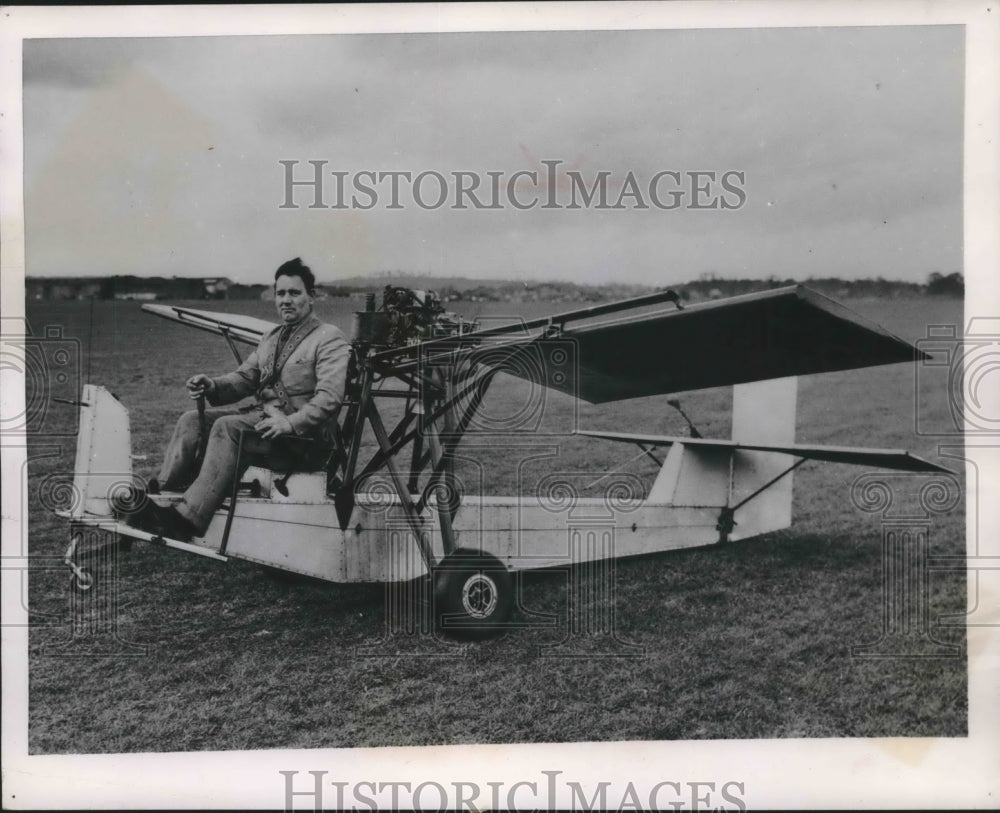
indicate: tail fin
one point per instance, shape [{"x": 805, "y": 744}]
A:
[
  {"x": 103, "y": 451},
  {"x": 763, "y": 413},
  {"x": 714, "y": 473}
]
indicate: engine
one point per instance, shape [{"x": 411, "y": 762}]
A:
[{"x": 406, "y": 316}]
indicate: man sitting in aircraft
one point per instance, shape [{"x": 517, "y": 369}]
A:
[{"x": 297, "y": 375}]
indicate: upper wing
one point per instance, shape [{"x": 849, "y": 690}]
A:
[
  {"x": 246, "y": 329},
  {"x": 897, "y": 459},
  {"x": 754, "y": 337}
]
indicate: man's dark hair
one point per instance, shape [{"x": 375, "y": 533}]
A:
[{"x": 296, "y": 268}]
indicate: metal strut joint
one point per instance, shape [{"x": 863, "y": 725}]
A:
[{"x": 727, "y": 520}]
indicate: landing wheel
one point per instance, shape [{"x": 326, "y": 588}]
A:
[
  {"x": 473, "y": 595},
  {"x": 82, "y": 580}
]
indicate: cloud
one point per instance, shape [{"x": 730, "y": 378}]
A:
[{"x": 837, "y": 131}]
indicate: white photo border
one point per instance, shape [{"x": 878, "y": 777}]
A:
[{"x": 847, "y": 773}]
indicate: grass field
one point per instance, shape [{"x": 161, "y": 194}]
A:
[{"x": 749, "y": 640}]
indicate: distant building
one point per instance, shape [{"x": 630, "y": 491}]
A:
[
  {"x": 83, "y": 288},
  {"x": 216, "y": 287},
  {"x": 128, "y": 287},
  {"x": 239, "y": 291}
]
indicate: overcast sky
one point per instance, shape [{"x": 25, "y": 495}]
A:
[{"x": 161, "y": 156}]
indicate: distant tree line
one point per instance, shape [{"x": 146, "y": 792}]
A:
[
  {"x": 707, "y": 286},
  {"x": 948, "y": 285}
]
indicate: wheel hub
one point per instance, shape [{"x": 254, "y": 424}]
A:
[{"x": 479, "y": 596}]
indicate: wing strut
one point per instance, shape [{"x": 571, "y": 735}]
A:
[{"x": 232, "y": 345}]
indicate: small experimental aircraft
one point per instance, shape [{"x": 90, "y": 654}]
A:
[{"x": 392, "y": 511}]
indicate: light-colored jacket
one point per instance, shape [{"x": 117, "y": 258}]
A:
[{"x": 309, "y": 386}]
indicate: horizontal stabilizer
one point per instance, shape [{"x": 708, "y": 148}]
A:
[
  {"x": 246, "y": 329},
  {"x": 897, "y": 459}
]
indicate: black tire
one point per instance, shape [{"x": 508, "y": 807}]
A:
[{"x": 473, "y": 595}]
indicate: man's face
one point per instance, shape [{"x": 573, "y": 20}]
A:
[{"x": 291, "y": 299}]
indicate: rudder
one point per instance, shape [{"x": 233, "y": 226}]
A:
[{"x": 764, "y": 413}]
